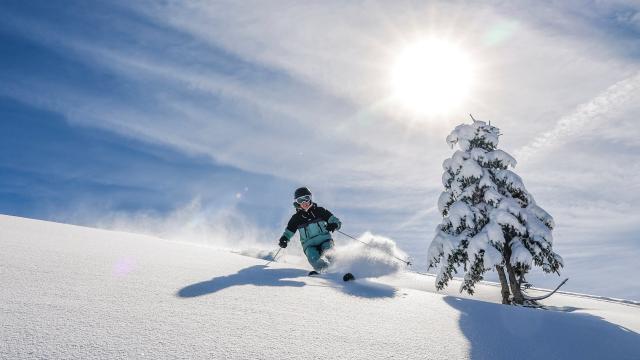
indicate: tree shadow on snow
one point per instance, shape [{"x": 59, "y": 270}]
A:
[
  {"x": 258, "y": 275},
  {"x": 496, "y": 331}
]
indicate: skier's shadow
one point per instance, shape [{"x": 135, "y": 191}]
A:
[
  {"x": 258, "y": 275},
  {"x": 497, "y": 331},
  {"x": 368, "y": 289}
]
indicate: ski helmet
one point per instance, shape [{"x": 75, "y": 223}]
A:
[{"x": 301, "y": 192}]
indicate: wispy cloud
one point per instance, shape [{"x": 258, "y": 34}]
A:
[{"x": 585, "y": 117}]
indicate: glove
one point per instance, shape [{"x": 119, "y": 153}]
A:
[
  {"x": 283, "y": 242},
  {"x": 332, "y": 227}
]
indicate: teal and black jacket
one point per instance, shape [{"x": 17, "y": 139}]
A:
[{"x": 312, "y": 225}]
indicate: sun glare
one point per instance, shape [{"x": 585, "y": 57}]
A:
[{"x": 431, "y": 77}]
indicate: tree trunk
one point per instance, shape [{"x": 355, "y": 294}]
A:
[
  {"x": 503, "y": 285},
  {"x": 518, "y": 298}
]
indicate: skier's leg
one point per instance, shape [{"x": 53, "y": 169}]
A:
[
  {"x": 327, "y": 245},
  {"x": 315, "y": 259}
]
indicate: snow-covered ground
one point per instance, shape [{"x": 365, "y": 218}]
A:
[{"x": 75, "y": 292}]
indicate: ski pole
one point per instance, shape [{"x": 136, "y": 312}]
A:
[
  {"x": 358, "y": 240},
  {"x": 274, "y": 257}
]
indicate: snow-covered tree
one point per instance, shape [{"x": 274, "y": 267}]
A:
[{"x": 490, "y": 221}]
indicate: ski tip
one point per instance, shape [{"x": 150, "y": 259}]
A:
[
  {"x": 348, "y": 277},
  {"x": 313, "y": 272}
]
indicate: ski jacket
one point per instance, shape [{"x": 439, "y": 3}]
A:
[{"x": 312, "y": 225}]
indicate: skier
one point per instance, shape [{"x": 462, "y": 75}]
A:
[{"x": 315, "y": 224}]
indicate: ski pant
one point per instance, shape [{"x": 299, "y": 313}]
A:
[{"x": 314, "y": 255}]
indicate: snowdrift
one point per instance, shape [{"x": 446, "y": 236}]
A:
[{"x": 75, "y": 292}]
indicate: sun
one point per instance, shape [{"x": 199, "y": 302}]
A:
[{"x": 431, "y": 77}]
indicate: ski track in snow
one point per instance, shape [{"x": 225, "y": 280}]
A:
[{"x": 80, "y": 293}]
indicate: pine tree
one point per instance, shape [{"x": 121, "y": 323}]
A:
[{"x": 490, "y": 221}]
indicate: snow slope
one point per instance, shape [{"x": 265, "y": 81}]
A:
[{"x": 75, "y": 292}]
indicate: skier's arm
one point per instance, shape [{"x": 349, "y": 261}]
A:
[
  {"x": 333, "y": 223},
  {"x": 289, "y": 231}
]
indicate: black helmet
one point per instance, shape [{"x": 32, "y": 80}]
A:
[{"x": 301, "y": 192}]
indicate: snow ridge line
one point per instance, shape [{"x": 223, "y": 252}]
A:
[{"x": 569, "y": 293}]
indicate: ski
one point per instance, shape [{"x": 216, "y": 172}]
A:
[
  {"x": 345, "y": 277},
  {"x": 348, "y": 277}
]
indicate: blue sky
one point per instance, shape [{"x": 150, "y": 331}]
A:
[{"x": 139, "y": 110}]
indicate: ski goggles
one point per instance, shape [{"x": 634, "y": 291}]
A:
[{"x": 303, "y": 199}]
